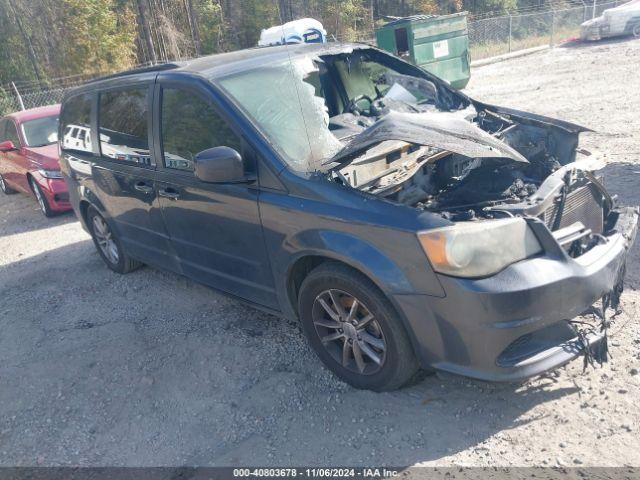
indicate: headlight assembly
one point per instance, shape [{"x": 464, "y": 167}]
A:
[
  {"x": 50, "y": 173},
  {"x": 479, "y": 249}
]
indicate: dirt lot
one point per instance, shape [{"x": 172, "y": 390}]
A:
[{"x": 152, "y": 369}]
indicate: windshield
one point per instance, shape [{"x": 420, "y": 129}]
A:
[
  {"x": 40, "y": 132},
  {"x": 311, "y": 107},
  {"x": 292, "y": 116}
]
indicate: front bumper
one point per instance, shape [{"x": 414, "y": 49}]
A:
[
  {"x": 55, "y": 189},
  {"x": 590, "y": 34},
  {"x": 591, "y": 29},
  {"x": 511, "y": 326}
]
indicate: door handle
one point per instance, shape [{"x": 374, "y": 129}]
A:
[
  {"x": 169, "y": 193},
  {"x": 143, "y": 187}
]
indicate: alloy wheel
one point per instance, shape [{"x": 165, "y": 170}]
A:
[
  {"x": 105, "y": 240},
  {"x": 3, "y": 186},
  {"x": 349, "y": 332}
]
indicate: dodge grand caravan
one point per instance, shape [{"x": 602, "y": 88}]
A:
[{"x": 403, "y": 223}]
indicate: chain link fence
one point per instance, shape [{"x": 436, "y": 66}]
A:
[
  {"x": 11, "y": 102},
  {"x": 487, "y": 37},
  {"x": 508, "y": 33}
]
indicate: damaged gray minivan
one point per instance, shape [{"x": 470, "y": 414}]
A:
[{"x": 403, "y": 223}]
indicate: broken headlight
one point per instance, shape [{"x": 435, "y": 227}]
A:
[{"x": 480, "y": 248}]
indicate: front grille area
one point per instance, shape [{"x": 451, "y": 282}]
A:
[{"x": 583, "y": 204}]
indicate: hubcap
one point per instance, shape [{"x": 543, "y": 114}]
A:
[
  {"x": 349, "y": 332},
  {"x": 105, "y": 240}
]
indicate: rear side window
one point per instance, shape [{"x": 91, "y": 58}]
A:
[
  {"x": 75, "y": 116},
  {"x": 190, "y": 125},
  {"x": 123, "y": 125}
]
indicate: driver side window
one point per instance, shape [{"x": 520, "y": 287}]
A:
[{"x": 190, "y": 125}]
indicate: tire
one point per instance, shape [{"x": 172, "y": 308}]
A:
[
  {"x": 338, "y": 344},
  {"x": 6, "y": 189},
  {"x": 635, "y": 31},
  {"x": 108, "y": 245},
  {"x": 45, "y": 208}
]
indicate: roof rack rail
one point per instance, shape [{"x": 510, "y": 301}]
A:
[{"x": 151, "y": 68}]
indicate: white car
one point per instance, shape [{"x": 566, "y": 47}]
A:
[
  {"x": 76, "y": 137},
  {"x": 617, "y": 21}
]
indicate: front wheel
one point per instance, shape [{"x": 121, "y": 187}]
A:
[
  {"x": 354, "y": 330},
  {"x": 636, "y": 30},
  {"x": 42, "y": 199},
  {"x": 108, "y": 245}
]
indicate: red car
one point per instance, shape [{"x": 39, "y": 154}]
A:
[{"x": 29, "y": 158}]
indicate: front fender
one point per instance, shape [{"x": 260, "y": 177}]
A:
[
  {"x": 363, "y": 256},
  {"x": 354, "y": 252},
  {"x": 385, "y": 270}
]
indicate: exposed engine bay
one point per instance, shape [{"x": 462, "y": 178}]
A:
[
  {"x": 458, "y": 183},
  {"x": 421, "y": 144}
]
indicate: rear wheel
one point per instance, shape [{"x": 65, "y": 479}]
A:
[
  {"x": 7, "y": 190},
  {"x": 42, "y": 199},
  {"x": 636, "y": 30},
  {"x": 108, "y": 245},
  {"x": 354, "y": 330}
]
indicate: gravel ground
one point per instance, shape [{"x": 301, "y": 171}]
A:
[{"x": 153, "y": 369}]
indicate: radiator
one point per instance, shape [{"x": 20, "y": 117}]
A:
[{"x": 583, "y": 204}]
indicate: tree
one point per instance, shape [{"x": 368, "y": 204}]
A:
[{"x": 145, "y": 30}]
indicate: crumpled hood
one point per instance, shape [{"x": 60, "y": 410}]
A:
[
  {"x": 45, "y": 157},
  {"x": 441, "y": 130}
]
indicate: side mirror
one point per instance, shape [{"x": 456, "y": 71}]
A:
[
  {"x": 219, "y": 165},
  {"x": 7, "y": 146}
]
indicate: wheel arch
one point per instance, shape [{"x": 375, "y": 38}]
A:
[
  {"x": 30, "y": 177},
  {"x": 386, "y": 276},
  {"x": 83, "y": 208},
  {"x": 304, "y": 264},
  {"x": 88, "y": 199},
  {"x": 631, "y": 24},
  {"x": 298, "y": 271}
]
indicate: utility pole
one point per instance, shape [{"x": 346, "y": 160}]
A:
[
  {"x": 18, "y": 96},
  {"x": 27, "y": 40}
]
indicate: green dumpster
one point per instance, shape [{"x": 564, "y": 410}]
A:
[{"x": 437, "y": 43}]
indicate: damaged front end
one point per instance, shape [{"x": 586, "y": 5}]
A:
[
  {"x": 515, "y": 223},
  {"x": 517, "y": 186},
  {"x": 468, "y": 161}
]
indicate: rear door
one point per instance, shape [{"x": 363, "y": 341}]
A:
[
  {"x": 124, "y": 176},
  {"x": 215, "y": 228}
]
